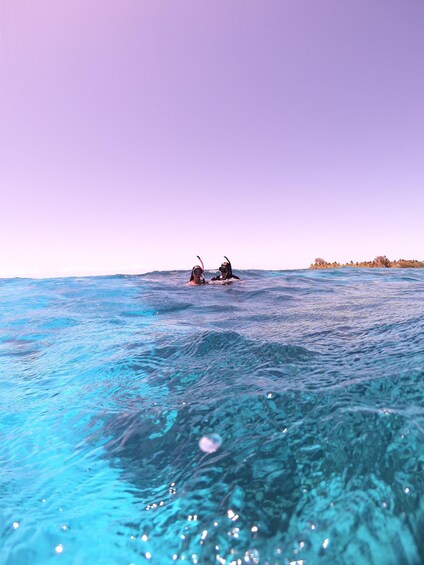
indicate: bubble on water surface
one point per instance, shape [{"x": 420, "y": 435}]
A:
[
  {"x": 210, "y": 443},
  {"x": 344, "y": 444}
]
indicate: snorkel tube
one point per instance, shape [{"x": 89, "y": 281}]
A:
[
  {"x": 201, "y": 262},
  {"x": 230, "y": 272},
  {"x": 201, "y": 278}
]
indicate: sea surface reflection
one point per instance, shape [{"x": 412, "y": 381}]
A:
[{"x": 276, "y": 420}]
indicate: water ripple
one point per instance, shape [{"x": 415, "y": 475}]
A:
[{"x": 313, "y": 380}]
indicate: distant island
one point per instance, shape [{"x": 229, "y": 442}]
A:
[{"x": 379, "y": 262}]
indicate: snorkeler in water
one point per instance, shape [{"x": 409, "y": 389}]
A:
[
  {"x": 226, "y": 271},
  {"x": 197, "y": 277}
]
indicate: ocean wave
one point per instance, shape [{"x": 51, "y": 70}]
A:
[{"x": 313, "y": 380}]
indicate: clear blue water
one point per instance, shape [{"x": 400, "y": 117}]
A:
[{"x": 313, "y": 380}]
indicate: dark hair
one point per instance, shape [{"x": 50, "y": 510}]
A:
[
  {"x": 192, "y": 273},
  {"x": 226, "y": 267}
]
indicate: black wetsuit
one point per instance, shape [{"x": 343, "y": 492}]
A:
[{"x": 228, "y": 278}]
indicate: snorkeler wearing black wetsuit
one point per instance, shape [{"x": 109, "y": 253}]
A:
[{"x": 226, "y": 272}]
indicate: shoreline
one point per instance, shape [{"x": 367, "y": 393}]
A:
[{"x": 380, "y": 262}]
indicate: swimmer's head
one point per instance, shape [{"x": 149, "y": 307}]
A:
[
  {"x": 197, "y": 274},
  {"x": 225, "y": 267}
]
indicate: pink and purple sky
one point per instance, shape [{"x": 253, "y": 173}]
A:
[{"x": 136, "y": 134}]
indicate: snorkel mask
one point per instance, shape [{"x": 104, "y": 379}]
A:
[
  {"x": 197, "y": 270},
  {"x": 225, "y": 267}
]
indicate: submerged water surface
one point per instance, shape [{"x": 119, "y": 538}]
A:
[{"x": 312, "y": 379}]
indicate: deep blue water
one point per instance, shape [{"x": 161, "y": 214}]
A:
[{"x": 313, "y": 380}]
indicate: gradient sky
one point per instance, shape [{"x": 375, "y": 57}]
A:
[{"x": 137, "y": 134}]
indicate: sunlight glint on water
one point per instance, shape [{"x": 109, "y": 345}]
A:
[{"x": 311, "y": 380}]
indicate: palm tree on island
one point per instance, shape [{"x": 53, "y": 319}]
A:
[{"x": 380, "y": 262}]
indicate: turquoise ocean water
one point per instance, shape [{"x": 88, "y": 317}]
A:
[{"x": 313, "y": 380}]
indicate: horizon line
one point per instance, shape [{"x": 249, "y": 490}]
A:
[
  {"x": 148, "y": 272},
  {"x": 133, "y": 274}
]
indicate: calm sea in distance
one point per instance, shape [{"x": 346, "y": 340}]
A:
[{"x": 304, "y": 388}]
